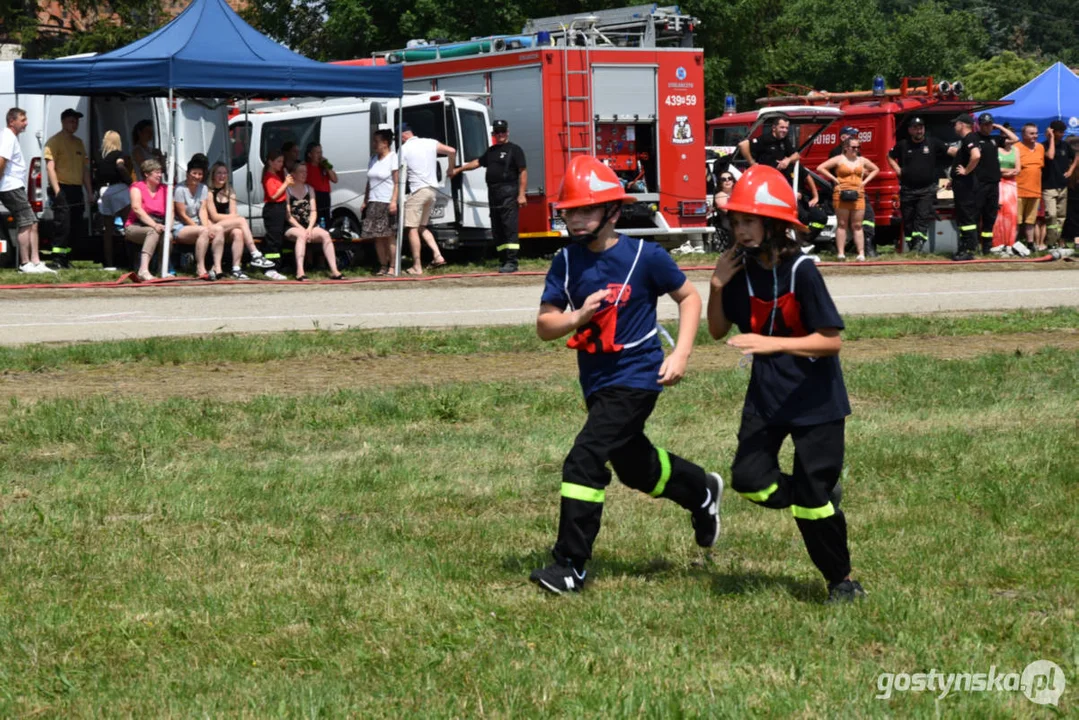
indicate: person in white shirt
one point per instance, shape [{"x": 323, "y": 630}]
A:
[
  {"x": 380, "y": 202},
  {"x": 421, "y": 157},
  {"x": 13, "y": 193}
]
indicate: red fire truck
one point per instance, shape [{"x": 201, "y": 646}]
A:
[
  {"x": 605, "y": 84},
  {"x": 881, "y": 119}
]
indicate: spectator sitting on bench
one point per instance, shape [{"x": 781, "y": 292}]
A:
[
  {"x": 221, "y": 209},
  {"x": 192, "y": 225},
  {"x": 301, "y": 224}
]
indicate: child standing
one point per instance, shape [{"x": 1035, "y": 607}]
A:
[
  {"x": 603, "y": 288},
  {"x": 776, "y": 296}
]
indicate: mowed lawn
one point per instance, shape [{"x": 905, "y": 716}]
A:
[{"x": 365, "y": 553}]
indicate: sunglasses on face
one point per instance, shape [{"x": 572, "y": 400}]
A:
[
  {"x": 855, "y": 147},
  {"x": 726, "y": 178}
]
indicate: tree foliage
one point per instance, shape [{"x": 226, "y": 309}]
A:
[
  {"x": 826, "y": 44},
  {"x": 1000, "y": 75}
]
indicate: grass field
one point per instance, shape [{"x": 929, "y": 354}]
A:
[{"x": 365, "y": 551}]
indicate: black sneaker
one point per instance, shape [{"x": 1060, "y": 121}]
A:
[
  {"x": 508, "y": 268},
  {"x": 846, "y": 591},
  {"x": 559, "y": 577},
  {"x": 706, "y": 517},
  {"x": 964, "y": 256}
]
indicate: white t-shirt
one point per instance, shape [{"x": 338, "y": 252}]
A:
[
  {"x": 191, "y": 202},
  {"x": 380, "y": 177},
  {"x": 421, "y": 154},
  {"x": 15, "y": 169}
]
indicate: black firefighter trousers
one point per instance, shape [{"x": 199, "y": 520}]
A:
[
  {"x": 614, "y": 432},
  {"x": 503, "y": 202},
  {"x": 988, "y": 209},
  {"x": 967, "y": 192},
  {"x": 818, "y": 462},
  {"x": 916, "y": 207}
]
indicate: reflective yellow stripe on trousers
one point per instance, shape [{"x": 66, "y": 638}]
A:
[
  {"x": 761, "y": 495},
  {"x": 817, "y": 513},
  {"x": 664, "y": 472},
  {"x": 580, "y": 492}
]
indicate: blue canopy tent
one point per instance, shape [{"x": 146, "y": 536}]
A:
[
  {"x": 1053, "y": 95},
  {"x": 206, "y": 51}
]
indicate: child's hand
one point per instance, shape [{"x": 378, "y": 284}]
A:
[
  {"x": 730, "y": 263},
  {"x": 591, "y": 305},
  {"x": 673, "y": 369},
  {"x": 754, "y": 344}
]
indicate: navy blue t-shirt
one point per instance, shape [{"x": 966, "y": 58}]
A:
[
  {"x": 656, "y": 274},
  {"x": 786, "y": 389}
]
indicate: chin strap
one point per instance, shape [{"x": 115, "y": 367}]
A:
[{"x": 609, "y": 210}]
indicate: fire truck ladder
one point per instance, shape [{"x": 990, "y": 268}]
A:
[
  {"x": 638, "y": 26},
  {"x": 582, "y": 126}
]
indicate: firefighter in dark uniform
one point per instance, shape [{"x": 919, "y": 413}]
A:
[
  {"x": 869, "y": 220},
  {"x": 988, "y": 172},
  {"x": 965, "y": 185},
  {"x": 773, "y": 148},
  {"x": 507, "y": 179},
  {"x": 916, "y": 161}
]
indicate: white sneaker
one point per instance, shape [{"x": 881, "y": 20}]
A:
[
  {"x": 274, "y": 275},
  {"x": 684, "y": 249},
  {"x": 29, "y": 268},
  {"x": 697, "y": 250},
  {"x": 1020, "y": 249},
  {"x": 43, "y": 268},
  {"x": 998, "y": 250}
]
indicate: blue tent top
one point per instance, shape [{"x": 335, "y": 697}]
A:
[
  {"x": 1053, "y": 95},
  {"x": 206, "y": 51}
]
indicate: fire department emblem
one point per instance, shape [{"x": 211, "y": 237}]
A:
[
  {"x": 680, "y": 73},
  {"x": 683, "y": 131}
]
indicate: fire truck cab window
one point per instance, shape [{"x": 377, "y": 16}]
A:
[
  {"x": 474, "y": 136},
  {"x": 298, "y": 130},
  {"x": 729, "y": 136}
]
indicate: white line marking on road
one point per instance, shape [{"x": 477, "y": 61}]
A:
[{"x": 237, "y": 318}]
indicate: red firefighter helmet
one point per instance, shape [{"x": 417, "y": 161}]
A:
[
  {"x": 763, "y": 190},
  {"x": 590, "y": 182}
]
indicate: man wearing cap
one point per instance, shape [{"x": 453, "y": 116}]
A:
[
  {"x": 68, "y": 170},
  {"x": 965, "y": 185},
  {"x": 1060, "y": 162},
  {"x": 988, "y": 172},
  {"x": 507, "y": 180},
  {"x": 917, "y": 161},
  {"x": 869, "y": 220},
  {"x": 421, "y": 157}
]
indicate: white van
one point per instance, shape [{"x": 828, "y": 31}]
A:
[
  {"x": 344, "y": 127},
  {"x": 201, "y": 127}
]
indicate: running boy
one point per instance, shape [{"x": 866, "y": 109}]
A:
[
  {"x": 776, "y": 296},
  {"x": 603, "y": 288}
]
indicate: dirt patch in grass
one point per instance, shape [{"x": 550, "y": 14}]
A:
[{"x": 242, "y": 381}]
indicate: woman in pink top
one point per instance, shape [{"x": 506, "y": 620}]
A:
[{"x": 146, "y": 221}]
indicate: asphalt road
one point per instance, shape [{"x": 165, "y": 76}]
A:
[{"x": 32, "y": 316}]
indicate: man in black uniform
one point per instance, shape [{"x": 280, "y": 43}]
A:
[
  {"x": 988, "y": 172},
  {"x": 869, "y": 220},
  {"x": 965, "y": 186},
  {"x": 916, "y": 161},
  {"x": 774, "y": 147},
  {"x": 507, "y": 179}
]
